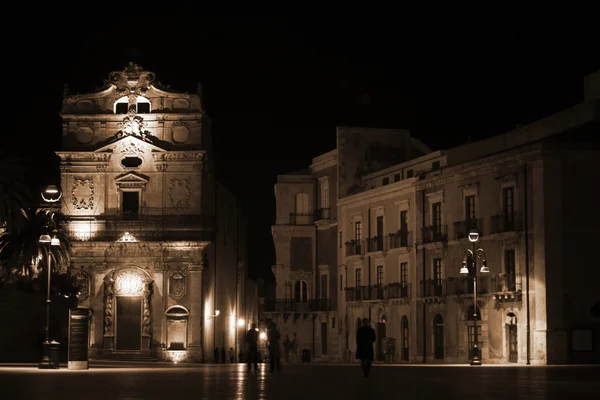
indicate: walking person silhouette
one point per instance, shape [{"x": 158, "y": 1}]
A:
[
  {"x": 252, "y": 342},
  {"x": 365, "y": 337}
]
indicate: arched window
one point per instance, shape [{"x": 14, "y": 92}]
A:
[
  {"x": 301, "y": 205},
  {"x": 177, "y": 321},
  {"x": 121, "y": 106},
  {"x": 142, "y": 105},
  {"x": 301, "y": 291},
  {"x": 405, "y": 338}
]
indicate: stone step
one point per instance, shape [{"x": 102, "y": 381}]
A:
[{"x": 118, "y": 356}]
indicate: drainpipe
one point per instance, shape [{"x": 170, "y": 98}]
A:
[
  {"x": 526, "y": 229},
  {"x": 215, "y": 267},
  {"x": 424, "y": 279}
]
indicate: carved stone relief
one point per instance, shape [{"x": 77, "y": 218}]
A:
[
  {"x": 83, "y": 193},
  {"x": 82, "y": 282},
  {"x": 179, "y": 193},
  {"x": 133, "y": 125},
  {"x": 180, "y": 132},
  {"x": 84, "y": 133},
  {"x": 131, "y": 148},
  {"x": 177, "y": 285},
  {"x": 127, "y": 282}
]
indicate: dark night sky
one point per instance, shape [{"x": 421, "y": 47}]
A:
[{"x": 276, "y": 87}]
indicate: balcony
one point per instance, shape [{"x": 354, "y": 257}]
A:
[
  {"x": 291, "y": 306},
  {"x": 397, "y": 290},
  {"x": 377, "y": 243},
  {"x": 434, "y": 288},
  {"x": 507, "y": 222},
  {"x": 462, "y": 228},
  {"x": 357, "y": 293},
  {"x": 378, "y": 292},
  {"x": 148, "y": 227},
  {"x": 502, "y": 283},
  {"x": 322, "y": 213},
  {"x": 462, "y": 286},
  {"x": 301, "y": 219},
  {"x": 355, "y": 248},
  {"x": 399, "y": 239},
  {"x": 435, "y": 233}
]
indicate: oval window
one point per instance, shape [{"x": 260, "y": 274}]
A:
[{"x": 131, "y": 162}]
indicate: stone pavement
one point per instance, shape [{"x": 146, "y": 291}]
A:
[{"x": 306, "y": 382}]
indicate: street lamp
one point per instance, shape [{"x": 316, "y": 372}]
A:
[
  {"x": 469, "y": 267},
  {"x": 51, "y": 194}
]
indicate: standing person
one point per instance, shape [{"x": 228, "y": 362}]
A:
[
  {"x": 365, "y": 337},
  {"x": 294, "y": 347},
  {"x": 286, "y": 349},
  {"x": 273, "y": 337},
  {"x": 223, "y": 356},
  {"x": 231, "y": 355},
  {"x": 216, "y": 354},
  {"x": 252, "y": 341}
]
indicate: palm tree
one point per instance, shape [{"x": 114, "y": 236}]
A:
[
  {"x": 24, "y": 255},
  {"x": 15, "y": 195}
]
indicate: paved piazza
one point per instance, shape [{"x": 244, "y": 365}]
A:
[{"x": 306, "y": 382}]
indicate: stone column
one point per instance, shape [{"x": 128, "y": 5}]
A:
[{"x": 195, "y": 322}]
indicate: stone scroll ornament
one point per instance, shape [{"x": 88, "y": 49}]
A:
[
  {"x": 109, "y": 295},
  {"x": 146, "y": 315}
]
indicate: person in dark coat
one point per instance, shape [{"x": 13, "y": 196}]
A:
[
  {"x": 252, "y": 342},
  {"x": 273, "y": 336},
  {"x": 365, "y": 337}
]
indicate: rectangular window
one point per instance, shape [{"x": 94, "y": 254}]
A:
[
  {"x": 386, "y": 181},
  {"x": 341, "y": 240},
  {"x": 121, "y": 108},
  {"x": 380, "y": 275},
  {"x": 508, "y": 206},
  {"x": 436, "y": 214},
  {"x": 435, "y": 165},
  {"x": 403, "y": 274},
  {"x": 437, "y": 270},
  {"x": 358, "y": 278},
  {"x": 409, "y": 173},
  {"x": 357, "y": 230},
  {"x": 341, "y": 282},
  {"x": 510, "y": 270},
  {"x": 396, "y": 177},
  {"x": 130, "y": 205},
  {"x": 324, "y": 194},
  {"x": 470, "y": 208}
]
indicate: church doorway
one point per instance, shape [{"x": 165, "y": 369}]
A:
[{"x": 129, "y": 323}]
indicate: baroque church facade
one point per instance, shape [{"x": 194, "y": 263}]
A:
[{"x": 137, "y": 174}]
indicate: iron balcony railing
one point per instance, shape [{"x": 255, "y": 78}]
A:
[
  {"x": 376, "y": 243},
  {"x": 288, "y": 305},
  {"x": 399, "y": 239},
  {"x": 433, "y": 288},
  {"x": 355, "y": 247},
  {"x": 322, "y": 213},
  {"x": 145, "y": 227},
  {"x": 502, "y": 283},
  {"x": 435, "y": 233},
  {"x": 462, "y": 228},
  {"x": 507, "y": 222},
  {"x": 301, "y": 218},
  {"x": 460, "y": 286},
  {"x": 378, "y": 292}
]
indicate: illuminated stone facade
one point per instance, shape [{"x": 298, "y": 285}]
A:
[
  {"x": 139, "y": 189},
  {"x": 402, "y": 230}
]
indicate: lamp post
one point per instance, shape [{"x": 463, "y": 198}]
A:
[
  {"x": 51, "y": 194},
  {"x": 469, "y": 267}
]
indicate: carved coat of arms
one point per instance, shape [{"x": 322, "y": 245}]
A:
[{"x": 177, "y": 285}]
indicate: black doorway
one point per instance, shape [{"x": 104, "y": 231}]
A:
[{"x": 129, "y": 323}]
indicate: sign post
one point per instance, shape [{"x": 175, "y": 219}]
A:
[{"x": 79, "y": 328}]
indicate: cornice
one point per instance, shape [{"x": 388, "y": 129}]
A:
[
  {"x": 325, "y": 224},
  {"x": 479, "y": 167},
  {"x": 380, "y": 193},
  {"x": 157, "y": 116}
]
